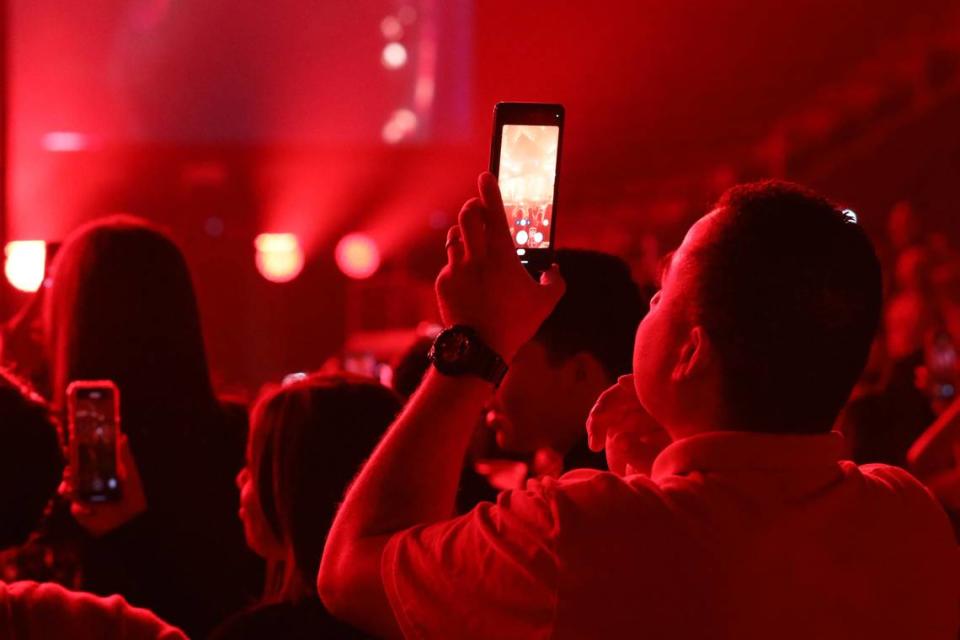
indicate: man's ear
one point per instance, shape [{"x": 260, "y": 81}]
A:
[{"x": 696, "y": 355}]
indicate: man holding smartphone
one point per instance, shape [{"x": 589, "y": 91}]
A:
[{"x": 749, "y": 525}]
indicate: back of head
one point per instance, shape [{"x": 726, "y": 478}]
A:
[
  {"x": 789, "y": 292},
  {"x": 31, "y": 462},
  {"x": 121, "y": 306},
  {"x": 308, "y": 440},
  {"x": 598, "y": 313}
]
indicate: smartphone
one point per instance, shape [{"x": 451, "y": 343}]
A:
[
  {"x": 93, "y": 408},
  {"x": 525, "y": 157}
]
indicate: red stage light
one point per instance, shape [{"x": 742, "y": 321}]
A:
[
  {"x": 358, "y": 256},
  {"x": 402, "y": 123},
  {"x": 394, "y": 55},
  {"x": 65, "y": 141},
  {"x": 26, "y": 263},
  {"x": 279, "y": 256}
]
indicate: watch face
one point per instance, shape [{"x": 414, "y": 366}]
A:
[{"x": 452, "y": 347}]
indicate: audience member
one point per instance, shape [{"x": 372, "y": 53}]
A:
[
  {"x": 307, "y": 439},
  {"x": 580, "y": 349},
  {"x": 750, "y": 524},
  {"x": 121, "y": 306},
  {"x": 31, "y": 463}
]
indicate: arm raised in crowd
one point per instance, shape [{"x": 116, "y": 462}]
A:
[{"x": 411, "y": 478}]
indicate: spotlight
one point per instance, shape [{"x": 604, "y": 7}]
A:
[
  {"x": 402, "y": 123},
  {"x": 358, "y": 256},
  {"x": 26, "y": 264},
  {"x": 391, "y": 28},
  {"x": 279, "y": 256},
  {"x": 394, "y": 55},
  {"x": 65, "y": 141}
]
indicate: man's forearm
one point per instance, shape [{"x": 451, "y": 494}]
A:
[
  {"x": 412, "y": 476},
  {"x": 410, "y": 479}
]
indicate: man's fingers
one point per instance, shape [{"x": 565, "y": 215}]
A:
[
  {"x": 498, "y": 231},
  {"x": 454, "y": 245},
  {"x": 596, "y": 434},
  {"x": 472, "y": 228}
]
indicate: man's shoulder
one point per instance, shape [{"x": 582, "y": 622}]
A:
[
  {"x": 890, "y": 480},
  {"x": 592, "y": 491}
]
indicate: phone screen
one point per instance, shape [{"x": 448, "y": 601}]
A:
[
  {"x": 94, "y": 431},
  {"x": 527, "y": 176}
]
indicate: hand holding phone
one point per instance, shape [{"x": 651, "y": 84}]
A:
[
  {"x": 525, "y": 157},
  {"x": 103, "y": 517},
  {"x": 484, "y": 286},
  {"x": 93, "y": 408}
]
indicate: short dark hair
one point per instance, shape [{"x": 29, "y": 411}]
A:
[
  {"x": 599, "y": 312},
  {"x": 31, "y": 460},
  {"x": 789, "y": 292}
]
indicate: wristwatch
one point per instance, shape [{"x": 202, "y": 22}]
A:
[{"x": 459, "y": 351}]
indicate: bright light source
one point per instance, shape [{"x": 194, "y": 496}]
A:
[
  {"x": 391, "y": 28},
  {"x": 394, "y": 55},
  {"x": 401, "y": 124},
  {"x": 522, "y": 237},
  {"x": 279, "y": 256},
  {"x": 65, "y": 141},
  {"x": 26, "y": 263},
  {"x": 358, "y": 256}
]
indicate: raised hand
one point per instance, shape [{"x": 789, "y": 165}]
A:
[{"x": 484, "y": 286}]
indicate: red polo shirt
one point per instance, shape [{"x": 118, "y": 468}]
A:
[{"x": 734, "y": 535}]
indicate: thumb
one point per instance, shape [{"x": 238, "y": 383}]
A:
[{"x": 552, "y": 283}]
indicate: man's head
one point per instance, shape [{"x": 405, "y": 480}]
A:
[
  {"x": 581, "y": 349},
  {"x": 31, "y": 462},
  {"x": 765, "y": 317}
]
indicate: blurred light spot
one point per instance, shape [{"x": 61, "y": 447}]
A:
[
  {"x": 401, "y": 124},
  {"x": 65, "y": 141},
  {"x": 851, "y": 216},
  {"x": 279, "y": 256},
  {"x": 538, "y": 237},
  {"x": 25, "y": 264},
  {"x": 521, "y": 252},
  {"x": 292, "y": 378},
  {"x": 394, "y": 55},
  {"x": 522, "y": 237},
  {"x": 358, "y": 256},
  {"x": 391, "y": 28}
]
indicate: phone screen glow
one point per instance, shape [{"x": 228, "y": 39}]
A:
[
  {"x": 528, "y": 173},
  {"x": 96, "y": 432}
]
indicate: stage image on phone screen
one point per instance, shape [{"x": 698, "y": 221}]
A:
[
  {"x": 96, "y": 434},
  {"x": 528, "y": 171}
]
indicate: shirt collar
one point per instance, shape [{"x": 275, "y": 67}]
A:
[{"x": 746, "y": 451}]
